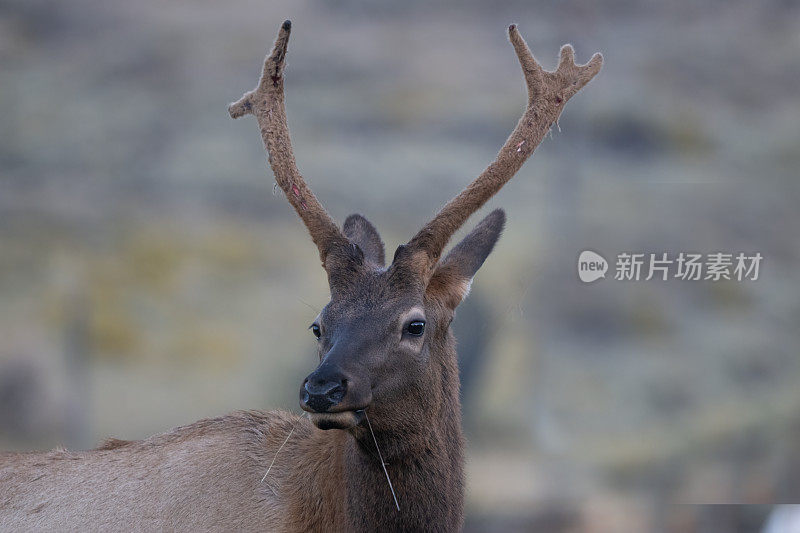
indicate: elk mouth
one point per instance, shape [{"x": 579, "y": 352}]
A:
[{"x": 339, "y": 420}]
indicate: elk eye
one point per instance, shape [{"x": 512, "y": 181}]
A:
[
  {"x": 416, "y": 328},
  {"x": 315, "y": 330}
]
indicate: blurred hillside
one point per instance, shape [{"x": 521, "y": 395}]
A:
[{"x": 150, "y": 275}]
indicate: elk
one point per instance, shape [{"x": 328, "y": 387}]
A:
[{"x": 381, "y": 447}]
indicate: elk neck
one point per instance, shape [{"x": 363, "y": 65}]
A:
[{"x": 422, "y": 445}]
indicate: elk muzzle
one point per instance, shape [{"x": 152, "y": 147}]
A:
[
  {"x": 333, "y": 398},
  {"x": 320, "y": 393}
]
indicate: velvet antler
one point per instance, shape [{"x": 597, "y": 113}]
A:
[
  {"x": 548, "y": 92},
  {"x": 266, "y": 102}
]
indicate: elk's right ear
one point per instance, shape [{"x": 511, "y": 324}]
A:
[
  {"x": 452, "y": 278},
  {"x": 360, "y": 232}
]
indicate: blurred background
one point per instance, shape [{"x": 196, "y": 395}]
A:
[{"x": 150, "y": 275}]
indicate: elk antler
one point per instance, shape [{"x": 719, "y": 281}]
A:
[
  {"x": 548, "y": 92},
  {"x": 266, "y": 102}
]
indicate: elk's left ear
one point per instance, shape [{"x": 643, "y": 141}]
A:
[
  {"x": 360, "y": 232},
  {"x": 452, "y": 278}
]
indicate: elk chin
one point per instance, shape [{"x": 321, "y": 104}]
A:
[{"x": 341, "y": 420}]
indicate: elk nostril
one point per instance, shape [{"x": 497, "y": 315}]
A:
[
  {"x": 321, "y": 392},
  {"x": 336, "y": 394}
]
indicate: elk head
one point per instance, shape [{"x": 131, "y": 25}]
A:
[{"x": 384, "y": 338}]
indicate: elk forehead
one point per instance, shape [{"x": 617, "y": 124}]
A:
[{"x": 374, "y": 293}]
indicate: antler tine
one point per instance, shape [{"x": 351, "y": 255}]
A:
[
  {"x": 578, "y": 75},
  {"x": 266, "y": 102},
  {"x": 547, "y": 94},
  {"x": 531, "y": 68}
]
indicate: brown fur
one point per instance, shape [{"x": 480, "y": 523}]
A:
[
  {"x": 112, "y": 444},
  {"x": 208, "y": 475}
]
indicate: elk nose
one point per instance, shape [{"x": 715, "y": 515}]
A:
[{"x": 321, "y": 393}]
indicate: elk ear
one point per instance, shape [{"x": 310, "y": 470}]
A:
[
  {"x": 360, "y": 232},
  {"x": 453, "y": 275}
]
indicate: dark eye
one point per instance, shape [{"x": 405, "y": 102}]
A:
[
  {"x": 416, "y": 328},
  {"x": 315, "y": 330}
]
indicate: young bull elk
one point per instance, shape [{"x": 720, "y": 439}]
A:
[{"x": 386, "y": 385}]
